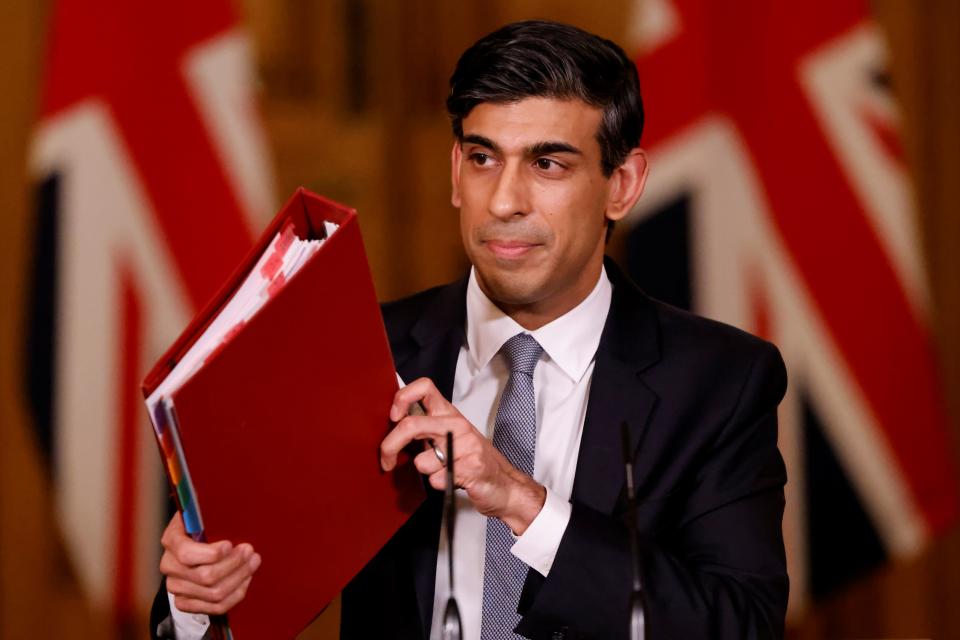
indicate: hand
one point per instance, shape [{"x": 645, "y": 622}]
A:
[
  {"x": 494, "y": 486},
  {"x": 205, "y": 578}
]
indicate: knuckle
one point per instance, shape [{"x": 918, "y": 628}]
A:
[
  {"x": 403, "y": 396},
  {"x": 402, "y": 434},
  {"x": 205, "y": 576},
  {"x": 217, "y": 593},
  {"x": 178, "y": 552}
]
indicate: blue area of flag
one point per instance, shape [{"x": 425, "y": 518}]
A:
[{"x": 40, "y": 353}]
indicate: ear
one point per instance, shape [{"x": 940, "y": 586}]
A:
[
  {"x": 626, "y": 184},
  {"x": 456, "y": 155}
]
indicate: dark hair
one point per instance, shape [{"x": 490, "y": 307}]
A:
[{"x": 547, "y": 59}]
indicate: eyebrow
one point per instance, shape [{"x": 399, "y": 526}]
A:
[
  {"x": 536, "y": 149},
  {"x": 544, "y": 148},
  {"x": 482, "y": 141}
]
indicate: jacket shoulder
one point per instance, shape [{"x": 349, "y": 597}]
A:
[
  {"x": 443, "y": 304},
  {"x": 716, "y": 350},
  {"x": 680, "y": 326}
]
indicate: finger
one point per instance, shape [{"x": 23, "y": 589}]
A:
[
  {"x": 415, "y": 428},
  {"x": 170, "y": 566},
  {"x": 467, "y": 443},
  {"x": 239, "y": 594},
  {"x": 187, "y": 550},
  {"x": 438, "y": 447},
  {"x": 210, "y": 575},
  {"x": 438, "y": 480},
  {"x": 191, "y": 553},
  {"x": 205, "y": 589},
  {"x": 427, "y": 462},
  {"x": 194, "y": 605},
  {"x": 174, "y": 529},
  {"x": 420, "y": 390}
]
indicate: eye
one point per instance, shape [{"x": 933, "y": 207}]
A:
[
  {"x": 479, "y": 158},
  {"x": 546, "y": 164}
]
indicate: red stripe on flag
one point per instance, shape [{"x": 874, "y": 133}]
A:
[
  {"x": 134, "y": 57},
  {"x": 852, "y": 281},
  {"x": 672, "y": 81},
  {"x": 747, "y": 66},
  {"x": 128, "y": 460}
]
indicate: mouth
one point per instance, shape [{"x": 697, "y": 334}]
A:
[{"x": 509, "y": 249}]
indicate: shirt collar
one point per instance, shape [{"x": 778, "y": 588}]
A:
[{"x": 571, "y": 340}]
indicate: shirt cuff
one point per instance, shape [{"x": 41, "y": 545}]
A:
[
  {"x": 538, "y": 545},
  {"x": 187, "y": 626}
]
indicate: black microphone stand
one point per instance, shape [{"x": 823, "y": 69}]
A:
[
  {"x": 637, "y": 604},
  {"x": 452, "y": 628}
]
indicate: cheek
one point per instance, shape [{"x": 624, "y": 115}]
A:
[
  {"x": 470, "y": 217},
  {"x": 575, "y": 215},
  {"x": 474, "y": 196}
]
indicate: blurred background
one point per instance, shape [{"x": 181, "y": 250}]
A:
[{"x": 805, "y": 162}]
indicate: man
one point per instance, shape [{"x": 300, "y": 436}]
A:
[{"x": 533, "y": 363}]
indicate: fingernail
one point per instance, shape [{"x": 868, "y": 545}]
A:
[
  {"x": 247, "y": 552},
  {"x": 394, "y": 413},
  {"x": 226, "y": 546},
  {"x": 255, "y": 562}
]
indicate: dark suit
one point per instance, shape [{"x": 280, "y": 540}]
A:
[{"x": 700, "y": 401}]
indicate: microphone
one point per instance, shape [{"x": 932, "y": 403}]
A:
[
  {"x": 451, "y": 629},
  {"x": 637, "y": 617}
]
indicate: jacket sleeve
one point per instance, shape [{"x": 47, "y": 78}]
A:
[
  {"x": 161, "y": 622},
  {"x": 718, "y": 570}
]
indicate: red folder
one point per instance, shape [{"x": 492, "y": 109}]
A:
[{"x": 281, "y": 427}]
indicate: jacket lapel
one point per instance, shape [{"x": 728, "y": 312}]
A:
[
  {"x": 433, "y": 343},
  {"x": 629, "y": 344}
]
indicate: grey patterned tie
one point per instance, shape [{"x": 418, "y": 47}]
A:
[{"x": 515, "y": 436}]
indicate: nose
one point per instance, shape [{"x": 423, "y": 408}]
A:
[{"x": 511, "y": 194}]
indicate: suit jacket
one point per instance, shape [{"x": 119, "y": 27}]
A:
[{"x": 700, "y": 401}]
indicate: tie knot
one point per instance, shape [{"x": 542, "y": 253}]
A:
[{"x": 522, "y": 352}]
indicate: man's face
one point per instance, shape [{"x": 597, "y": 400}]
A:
[{"x": 533, "y": 201}]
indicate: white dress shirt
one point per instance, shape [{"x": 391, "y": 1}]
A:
[
  {"x": 187, "y": 626},
  {"x": 561, "y": 383}
]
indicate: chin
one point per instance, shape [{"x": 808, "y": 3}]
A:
[{"x": 514, "y": 287}]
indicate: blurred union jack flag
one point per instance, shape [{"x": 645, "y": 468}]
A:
[
  {"x": 151, "y": 172},
  {"x": 779, "y": 201}
]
